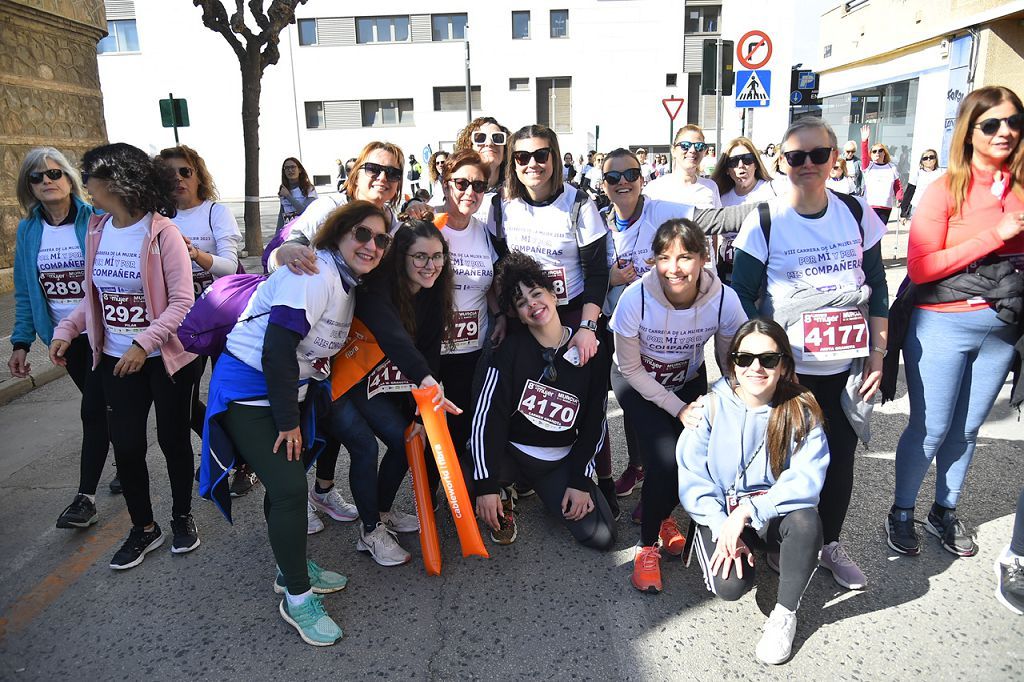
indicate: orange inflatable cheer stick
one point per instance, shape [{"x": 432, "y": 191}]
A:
[
  {"x": 451, "y": 473},
  {"x": 440, "y": 220},
  {"x": 424, "y": 507}
]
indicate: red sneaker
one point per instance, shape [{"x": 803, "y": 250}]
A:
[
  {"x": 647, "y": 570},
  {"x": 631, "y": 479},
  {"x": 672, "y": 541}
]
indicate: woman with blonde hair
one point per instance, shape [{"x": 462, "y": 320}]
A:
[
  {"x": 684, "y": 184},
  {"x": 882, "y": 188}
]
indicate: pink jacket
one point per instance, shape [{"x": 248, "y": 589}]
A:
[{"x": 166, "y": 282}]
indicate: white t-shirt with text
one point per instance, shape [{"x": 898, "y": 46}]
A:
[
  {"x": 472, "y": 258},
  {"x": 61, "y": 268},
  {"x": 117, "y": 278}
]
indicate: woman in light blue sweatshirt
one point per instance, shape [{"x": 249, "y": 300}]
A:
[{"x": 750, "y": 475}]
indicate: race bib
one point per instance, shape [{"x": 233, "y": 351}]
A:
[
  {"x": 548, "y": 408},
  {"x": 62, "y": 286},
  {"x": 385, "y": 378},
  {"x": 835, "y": 335},
  {"x": 557, "y": 278},
  {"x": 465, "y": 333},
  {"x": 671, "y": 375},
  {"x": 727, "y": 250},
  {"x": 124, "y": 313},
  {"x": 201, "y": 281}
]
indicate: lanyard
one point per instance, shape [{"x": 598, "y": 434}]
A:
[{"x": 741, "y": 471}]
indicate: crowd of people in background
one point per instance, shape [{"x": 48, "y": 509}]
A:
[{"x": 523, "y": 285}]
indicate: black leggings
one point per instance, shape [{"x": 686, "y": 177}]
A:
[
  {"x": 198, "y": 406},
  {"x": 797, "y": 538},
  {"x": 551, "y": 479},
  {"x": 1017, "y": 543},
  {"x": 457, "y": 372},
  {"x": 660, "y": 430},
  {"x": 95, "y": 437},
  {"x": 842, "y": 445},
  {"x": 129, "y": 399},
  {"x": 882, "y": 212}
]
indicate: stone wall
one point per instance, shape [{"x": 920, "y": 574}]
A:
[{"x": 49, "y": 93}]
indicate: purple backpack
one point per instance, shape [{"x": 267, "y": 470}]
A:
[
  {"x": 280, "y": 238},
  {"x": 204, "y": 331}
]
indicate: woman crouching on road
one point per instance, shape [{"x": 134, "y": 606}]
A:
[{"x": 761, "y": 486}]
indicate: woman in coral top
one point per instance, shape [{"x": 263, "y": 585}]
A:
[{"x": 965, "y": 237}]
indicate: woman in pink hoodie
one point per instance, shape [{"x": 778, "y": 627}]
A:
[{"x": 138, "y": 287}]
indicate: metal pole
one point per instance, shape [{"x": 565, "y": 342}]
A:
[
  {"x": 671, "y": 133},
  {"x": 174, "y": 118},
  {"x": 718, "y": 100},
  {"x": 469, "y": 92}
]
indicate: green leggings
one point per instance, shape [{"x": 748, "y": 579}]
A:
[{"x": 253, "y": 432}]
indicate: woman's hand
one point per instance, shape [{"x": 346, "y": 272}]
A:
[
  {"x": 721, "y": 559},
  {"x": 865, "y": 132},
  {"x": 440, "y": 402},
  {"x": 300, "y": 259},
  {"x": 620, "y": 275},
  {"x": 690, "y": 415},
  {"x": 283, "y": 192},
  {"x": 576, "y": 504},
  {"x": 19, "y": 364},
  {"x": 57, "y": 349},
  {"x": 131, "y": 362},
  {"x": 585, "y": 341},
  {"x": 192, "y": 251},
  {"x": 293, "y": 443},
  {"x": 872, "y": 377},
  {"x": 416, "y": 209},
  {"x": 499, "y": 331},
  {"x": 1010, "y": 226},
  {"x": 416, "y": 432},
  {"x": 489, "y": 509}
]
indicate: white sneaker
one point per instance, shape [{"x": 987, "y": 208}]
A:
[
  {"x": 776, "y": 643},
  {"x": 382, "y": 545},
  {"x": 333, "y": 504},
  {"x": 313, "y": 522},
  {"x": 400, "y": 522}
]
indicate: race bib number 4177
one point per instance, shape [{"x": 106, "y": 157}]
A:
[{"x": 835, "y": 335}]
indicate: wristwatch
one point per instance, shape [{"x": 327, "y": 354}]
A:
[{"x": 589, "y": 324}]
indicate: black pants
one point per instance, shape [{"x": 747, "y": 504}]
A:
[
  {"x": 457, "y": 372},
  {"x": 797, "y": 538},
  {"x": 129, "y": 399},
  {"x": 95, "y": 437},
  {"x": 660, "y": 430},
  {"x": 842, "y": 444},
  {"x": 882, "y": 212},
  {"x": 1017, "y": 543},
  {"x": 620, "y": 386},
  {"x": 198, "y": 406},
  {"x": 550, "y": 479}
]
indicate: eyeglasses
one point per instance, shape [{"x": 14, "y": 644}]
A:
[
  {"x": 462, "y": 184},
  {"x": 550, "y": 373},
  {"x": 420, "y": 259},
  {"x": 818, "y": 156},
  {"x": 745, "y": 159},
  {"x": 541, "y": 155},
  {"x": 289, "y": 167},
  {"x": 767, "y": 360},
  {"x": 990, "y": 126},
  {"x": 54, "y": 174},
  {"x": 391, "y": 174},
  {"x": 615, "y": 177},
  {"x": 697, "y": 146},
  {"x": 930, "y": 157},
  {"x": 381, "y": 240},
  {"x": 185, "y": 171},
  {"x": 497, "y": 139}
]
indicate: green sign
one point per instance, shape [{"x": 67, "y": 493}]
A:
[{"x": 174, "y": 113}]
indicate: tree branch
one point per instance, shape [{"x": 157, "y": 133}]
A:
[
  {"x": 280, "y": 14},
  {"x": 256, "y": 8},
  {"x": 215, "y": 18},
  {"x": 238, "y": 23}
]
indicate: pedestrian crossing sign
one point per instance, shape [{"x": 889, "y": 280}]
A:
[{"x": 753, "y": 88}]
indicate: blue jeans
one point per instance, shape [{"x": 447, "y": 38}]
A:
[{"x": 955, "y": 365}]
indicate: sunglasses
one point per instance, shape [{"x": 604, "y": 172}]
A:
[
  {"x": 767, "y": 360},
  {"x": 818, "y": 156},
  {"x": 849, "y": 152},
  {"x": 615, "y": 177},
  {"x": 990, "y": 126},
  {"x": 498, "y": 139},
  {"x": 550, "y": 373},
  {"x": 391, "y": 174},
  {"x": 185, "y": 172},
  {"x": 381, "y": 240},
  {"x": 877, "y": 150},
  {"x": 54, "y": 174},
  {"x": 697, "y": 146},
  {"x": 462, "y": 184},
  {"x": 930, "y": 157},
  {"x": 420, "y": 259},
  {"x": 541, "y": 155},
  {"x": 745, "y": 159}
]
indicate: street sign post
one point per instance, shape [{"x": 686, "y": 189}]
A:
[
  {"x": 753, "y": 88},
  {"x": 673, "y": 105},
  {"x": 174, "y": 114}
]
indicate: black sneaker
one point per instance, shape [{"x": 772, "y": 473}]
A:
[
  {"x": 242, "y": 481},
  {"x": 186, "y": 537},
  {"x": 79, "y": 514},
  {"x": 139, "y": 543},
  {"x": 944, "y": 524},
  {"x": 115, "y": 486},
  {"x": 900, "y": 533},
  {"x": 523, "y": 489},
  {"x": 1010, "y": 584},
  {"x": 607, "y": 488}
]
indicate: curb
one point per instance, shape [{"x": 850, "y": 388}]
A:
[{"x": 15, "y": 388}]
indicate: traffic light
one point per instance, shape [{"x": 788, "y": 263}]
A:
[{"x": 709, "y": 67}]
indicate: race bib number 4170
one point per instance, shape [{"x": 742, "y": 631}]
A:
[
  {"x": 548, "y": 408},
  {"x": 835, "y": 335}
]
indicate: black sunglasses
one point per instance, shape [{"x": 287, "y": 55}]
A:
[
  {"x": 364, "y": 234},
  {"x": 391, "y": 174},
  {"x": 185, "y": 172},
  {"x": 746, "y": 159},
  {"x": 462, "y": 184},
  {"x": 615, "y": 177},
  {"x": 697, "y": 146},
  {"x": 877, "y": 150},
  {"x": 54, "y": 174},
  {"x": 541, "y": 155},
  {"x": 930, "y": 157},
  {"x": 990, "y": 126},
  {"x": 767, "y": 360},
  {"x": 550, "y": 373},
  {"x": 818, "y": 156}
]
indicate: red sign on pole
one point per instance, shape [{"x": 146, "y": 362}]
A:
[
  {"x": 668, "y": 104},
  {"x": 754, "y": 49}
]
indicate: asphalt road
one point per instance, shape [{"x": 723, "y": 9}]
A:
[{"x": 541, "y": 608}]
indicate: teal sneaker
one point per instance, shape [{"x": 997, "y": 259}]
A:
[
  {"x": 321, "y": 580},
  {"x": 311, "y": 621}
]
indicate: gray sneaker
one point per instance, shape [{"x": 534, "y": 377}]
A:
[
  {"x": 400, "y": 522},
  {"x": 333, "y": 504},
  {"x": 844, "y": 571},
  {"x": 382, "y": 545},
  {"x": 948, "y": 527},
  {"x": 776, "y": 645},
  {"x": 313, "y": 522}
]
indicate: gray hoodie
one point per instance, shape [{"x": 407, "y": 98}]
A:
[{"x": 737, "y": 439}]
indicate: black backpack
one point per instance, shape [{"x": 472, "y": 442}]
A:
[
  {"x": 854, "y": 206},
  {"x": 499, "y": 239}
]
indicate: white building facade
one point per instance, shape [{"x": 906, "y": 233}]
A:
[{"x": 346, "y": 77}]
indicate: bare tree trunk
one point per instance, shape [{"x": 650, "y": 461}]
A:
[{"x": 251, "y": 88}]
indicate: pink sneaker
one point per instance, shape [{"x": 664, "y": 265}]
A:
[{"x": 631, "y": 479}]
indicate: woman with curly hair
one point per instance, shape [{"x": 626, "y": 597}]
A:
[
  {"x": 488, "y": 138},
  {"x": 434, "y": 170},
  {"x": 407, "y": 304},
  {"x": 137, "y": 289},
  {"x": 296, "y": 191}
]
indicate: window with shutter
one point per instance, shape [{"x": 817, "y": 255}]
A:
[
  {"x": 554, "y": 103},
  {"x": 454, "y": 98}
]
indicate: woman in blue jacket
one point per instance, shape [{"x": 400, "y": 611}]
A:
[
  {"x": 49, "y": 269},
  {"x": 761, "y": 487}
]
